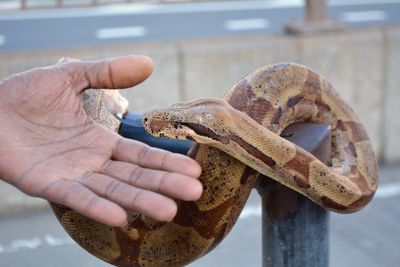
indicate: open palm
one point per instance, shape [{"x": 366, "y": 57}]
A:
[{"x": 50, "y": 148}]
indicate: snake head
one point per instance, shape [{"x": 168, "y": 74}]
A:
[{"x": 203, "y": 120}]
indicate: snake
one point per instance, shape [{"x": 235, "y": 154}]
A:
[{"x": 236, "y": 140}]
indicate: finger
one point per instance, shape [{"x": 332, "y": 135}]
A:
[
  {"x": 119, "y": 72},
  {"x": 145, "y": 202},
  {"x": 172, "y": 184},
  {"x": 85, "y": 202},
  {"x": 149, "y": 157}
]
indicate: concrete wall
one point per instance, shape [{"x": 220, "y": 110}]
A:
[{"x": 362, "y": 64}]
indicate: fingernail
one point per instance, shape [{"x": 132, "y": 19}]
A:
[
  {"x": 170, "y": 220},
  {"x": 62, "y": 60},
  {"x": 125, "y": 224}
]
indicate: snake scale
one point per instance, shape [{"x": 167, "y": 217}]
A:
[{"x": 236, "y": 139}]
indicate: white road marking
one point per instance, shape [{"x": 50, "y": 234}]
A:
[
  {"x": 121, "y": 32},
  {"x": 246, "y": 24},
  {"x": 173, "y": 8},
  {"x": 388, "y": 190},
  {"x": 26, "y": 244},
  {"x": 18, "y": 245},
  {"x": 54, "y": 241},
  {"x": 364, "y": 16},
  {"x": 2, "y": 40}
]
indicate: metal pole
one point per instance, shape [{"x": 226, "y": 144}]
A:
[
  {"x": 60, "y": 3},
  {"x": 315, "y": 20},
  {"x": 315, "y": 10},
  {"x": 23, "y": 4},
  {"x": 294, "y": 229}
]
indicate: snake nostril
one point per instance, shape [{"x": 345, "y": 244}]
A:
[{"x": 287, "y": 135}]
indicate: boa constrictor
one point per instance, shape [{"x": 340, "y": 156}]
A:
[{"x": 247, "y": 129}]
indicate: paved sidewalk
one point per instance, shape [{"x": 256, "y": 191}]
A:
[{"x": 368, "y": 238}]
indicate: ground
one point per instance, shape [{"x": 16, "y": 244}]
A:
[{"x": 368, "y": 238}]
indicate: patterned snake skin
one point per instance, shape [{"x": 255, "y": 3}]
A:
[{"x": 239, "y": 138}]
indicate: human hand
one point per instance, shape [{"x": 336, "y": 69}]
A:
[{"x": 50, "y": 148}]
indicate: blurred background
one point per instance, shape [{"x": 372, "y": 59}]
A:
[{"x": 201, "y": 48}]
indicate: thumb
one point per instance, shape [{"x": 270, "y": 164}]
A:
[{"x": 113, "y": 73}]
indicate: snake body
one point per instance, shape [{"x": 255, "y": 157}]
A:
[{"x": 236, "y": 139}]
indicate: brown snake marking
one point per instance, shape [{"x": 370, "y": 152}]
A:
[{"x": 274, "y": 97}]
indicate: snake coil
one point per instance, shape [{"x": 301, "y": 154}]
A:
[{"x": 239, "y": 141}]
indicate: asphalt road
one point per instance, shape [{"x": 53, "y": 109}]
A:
[
  {"x": 138, "y": 23},
  {"x": 368, "y": 238}
]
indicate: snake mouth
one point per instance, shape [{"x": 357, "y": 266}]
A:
[{"x": 181, "y": 131}]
